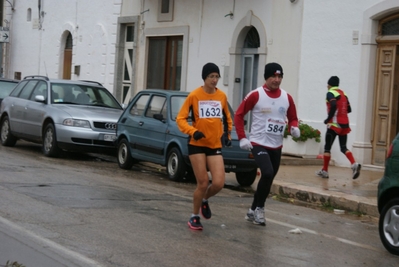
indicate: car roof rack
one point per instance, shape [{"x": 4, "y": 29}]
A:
[
  {"x": 88, "y": 81},
  {"x": 36, "y": 76}
]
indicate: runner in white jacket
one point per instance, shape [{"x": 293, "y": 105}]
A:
[{"x": 271, "y": 106}]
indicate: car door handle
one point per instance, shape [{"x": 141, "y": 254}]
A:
[
  {"x": 123, "y": 120},
  {"x": 141, "y": 123}
]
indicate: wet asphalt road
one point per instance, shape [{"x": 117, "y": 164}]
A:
[{"x": 89, "y": 211}]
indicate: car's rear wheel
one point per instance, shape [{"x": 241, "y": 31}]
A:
[
  {"x": 7, "y": 139},
  {"x": 388, "y": 226},
  {"x": 175, "y": 165},
  {"x": 50, "y": 147},
  {"x": 246, "y": 178},
  {"x": 125, "y": 159}
]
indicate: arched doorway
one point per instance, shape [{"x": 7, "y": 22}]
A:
[
  {"x": 386, "y": 95},
  {"x": 249, "y": 68},
  {"x": 67, "y": 62},
  {"x": 247, "y": 57}
]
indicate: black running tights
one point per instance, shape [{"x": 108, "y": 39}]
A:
[{"x": 268, "y": 161}]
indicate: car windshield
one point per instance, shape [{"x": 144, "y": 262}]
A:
[
  {"x": 6, "y": 88},
  {"x": 78, "y": 94},
  {"x": 177, "y": 103}
]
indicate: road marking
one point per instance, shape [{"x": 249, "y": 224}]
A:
[
  {"x": 45, "y": 243},
  {"x": 343, "y": 240}
]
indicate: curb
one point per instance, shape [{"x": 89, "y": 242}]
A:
[{"x": 319, "y": 197}]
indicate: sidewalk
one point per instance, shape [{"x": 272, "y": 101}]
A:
[{"x": 297, "y": 180}]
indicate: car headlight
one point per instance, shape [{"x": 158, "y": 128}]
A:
[{"x": 76, "y": 123}]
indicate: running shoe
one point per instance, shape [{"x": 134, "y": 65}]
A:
[
  {"x": 250, "y": 216},
  {"x": 322, "y": 174},
  {"x": 356, "y": 170},
  {"x": 205, "y": 210},
  {"x": 259, "y": 216},
  {"x": 194, "y": 223}
]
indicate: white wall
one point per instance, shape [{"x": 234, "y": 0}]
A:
[
  {"x": 328, "y": 49},
  {"x": 39, "y": 51}
]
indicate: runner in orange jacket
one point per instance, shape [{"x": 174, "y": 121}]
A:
[{"x": 209, "y": 107}]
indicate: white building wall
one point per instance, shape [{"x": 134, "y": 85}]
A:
[
  {"x": 331, "y": 45},
  {"x": 36, "y": 48}
]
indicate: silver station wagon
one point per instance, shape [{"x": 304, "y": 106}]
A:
[
  {"x": 147, "y": 131},
  {"x": 60, "y": 115}
]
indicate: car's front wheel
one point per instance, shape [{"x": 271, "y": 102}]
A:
[
  {"x": 246, "y": 178},
  {"x": 388, "y": 226},
  {"x": 175, "y": 165},
  {"x": 125, "y": 159},
  {"x": 50, "y": 147},
  {"x": 7, "y": 139}
]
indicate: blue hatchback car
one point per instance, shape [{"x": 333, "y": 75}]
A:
[{"x": 147, "y": 131}]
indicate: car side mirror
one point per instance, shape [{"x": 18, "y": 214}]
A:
[
  {"x": 40, "y": 98},
  {"x": 158, "y": 117}
]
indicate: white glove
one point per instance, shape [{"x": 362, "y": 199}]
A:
[
  {"x": 295, "y": 132},
  {"x": 245, "y": 144}
]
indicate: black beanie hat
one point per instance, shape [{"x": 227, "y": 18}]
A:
[
  {"x": 208, "y": 69},
  {"x": 333, "y": 81},
  {"x": 272, "y": 69}
]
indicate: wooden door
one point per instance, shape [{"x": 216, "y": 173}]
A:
[
  {"x": 386, "y": 101},
  {"x": 67, "y": 64}
]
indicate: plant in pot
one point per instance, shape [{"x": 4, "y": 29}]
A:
[
  {"x": 306, "y": 146},
  {"x": 307, "y": 132}
]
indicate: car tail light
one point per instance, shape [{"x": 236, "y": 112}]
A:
[
  {"x": 250, "y": 156},
  {"x": 390, "y": 151}
]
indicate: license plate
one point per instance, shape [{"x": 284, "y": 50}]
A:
[
  {"x": 109, "y": 137},
  {"x": 230, "y": 166}
]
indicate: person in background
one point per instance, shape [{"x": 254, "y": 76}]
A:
[
  {"x": 338, "y": 107},
  {"x": 270, "y": 106},
  {"x": 209, "y": 107}
]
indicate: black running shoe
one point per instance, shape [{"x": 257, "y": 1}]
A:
[
  {"x": 205, "y": 210},
  {"x": 356, "y": 170},
  {"x": 194, "y": 223}
]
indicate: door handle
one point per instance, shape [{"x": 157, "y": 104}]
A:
[{"x": 141, "y": 123}]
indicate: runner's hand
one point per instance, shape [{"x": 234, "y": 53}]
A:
[
  {"x": 295, "y": 132},
  {"x": 226, "y": 140},
  {"x": 198, "y": 135},
  {"x": 245, "y": 144}
]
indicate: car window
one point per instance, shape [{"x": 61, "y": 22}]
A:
[
  {"x": 79, "y": 94},
  {"x": 18, "y": 88},
  {"x": 6, "y": 88},
  {"x": 176, "y": 102},
  {"x": 27, "y": 90},
  {"x": 102, "y": 97},
  {"x": 156, "y": 106},
  {"x": 40, "y": 89},
  {"x": 139, "y": 106}
]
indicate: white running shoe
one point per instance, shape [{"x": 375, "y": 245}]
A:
[
  {"x": 322, "y": 174},
  {"x": 250, "y": 216},
  {"x": 356, "y": 170},
  {"x": 259, "y": 216}
]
